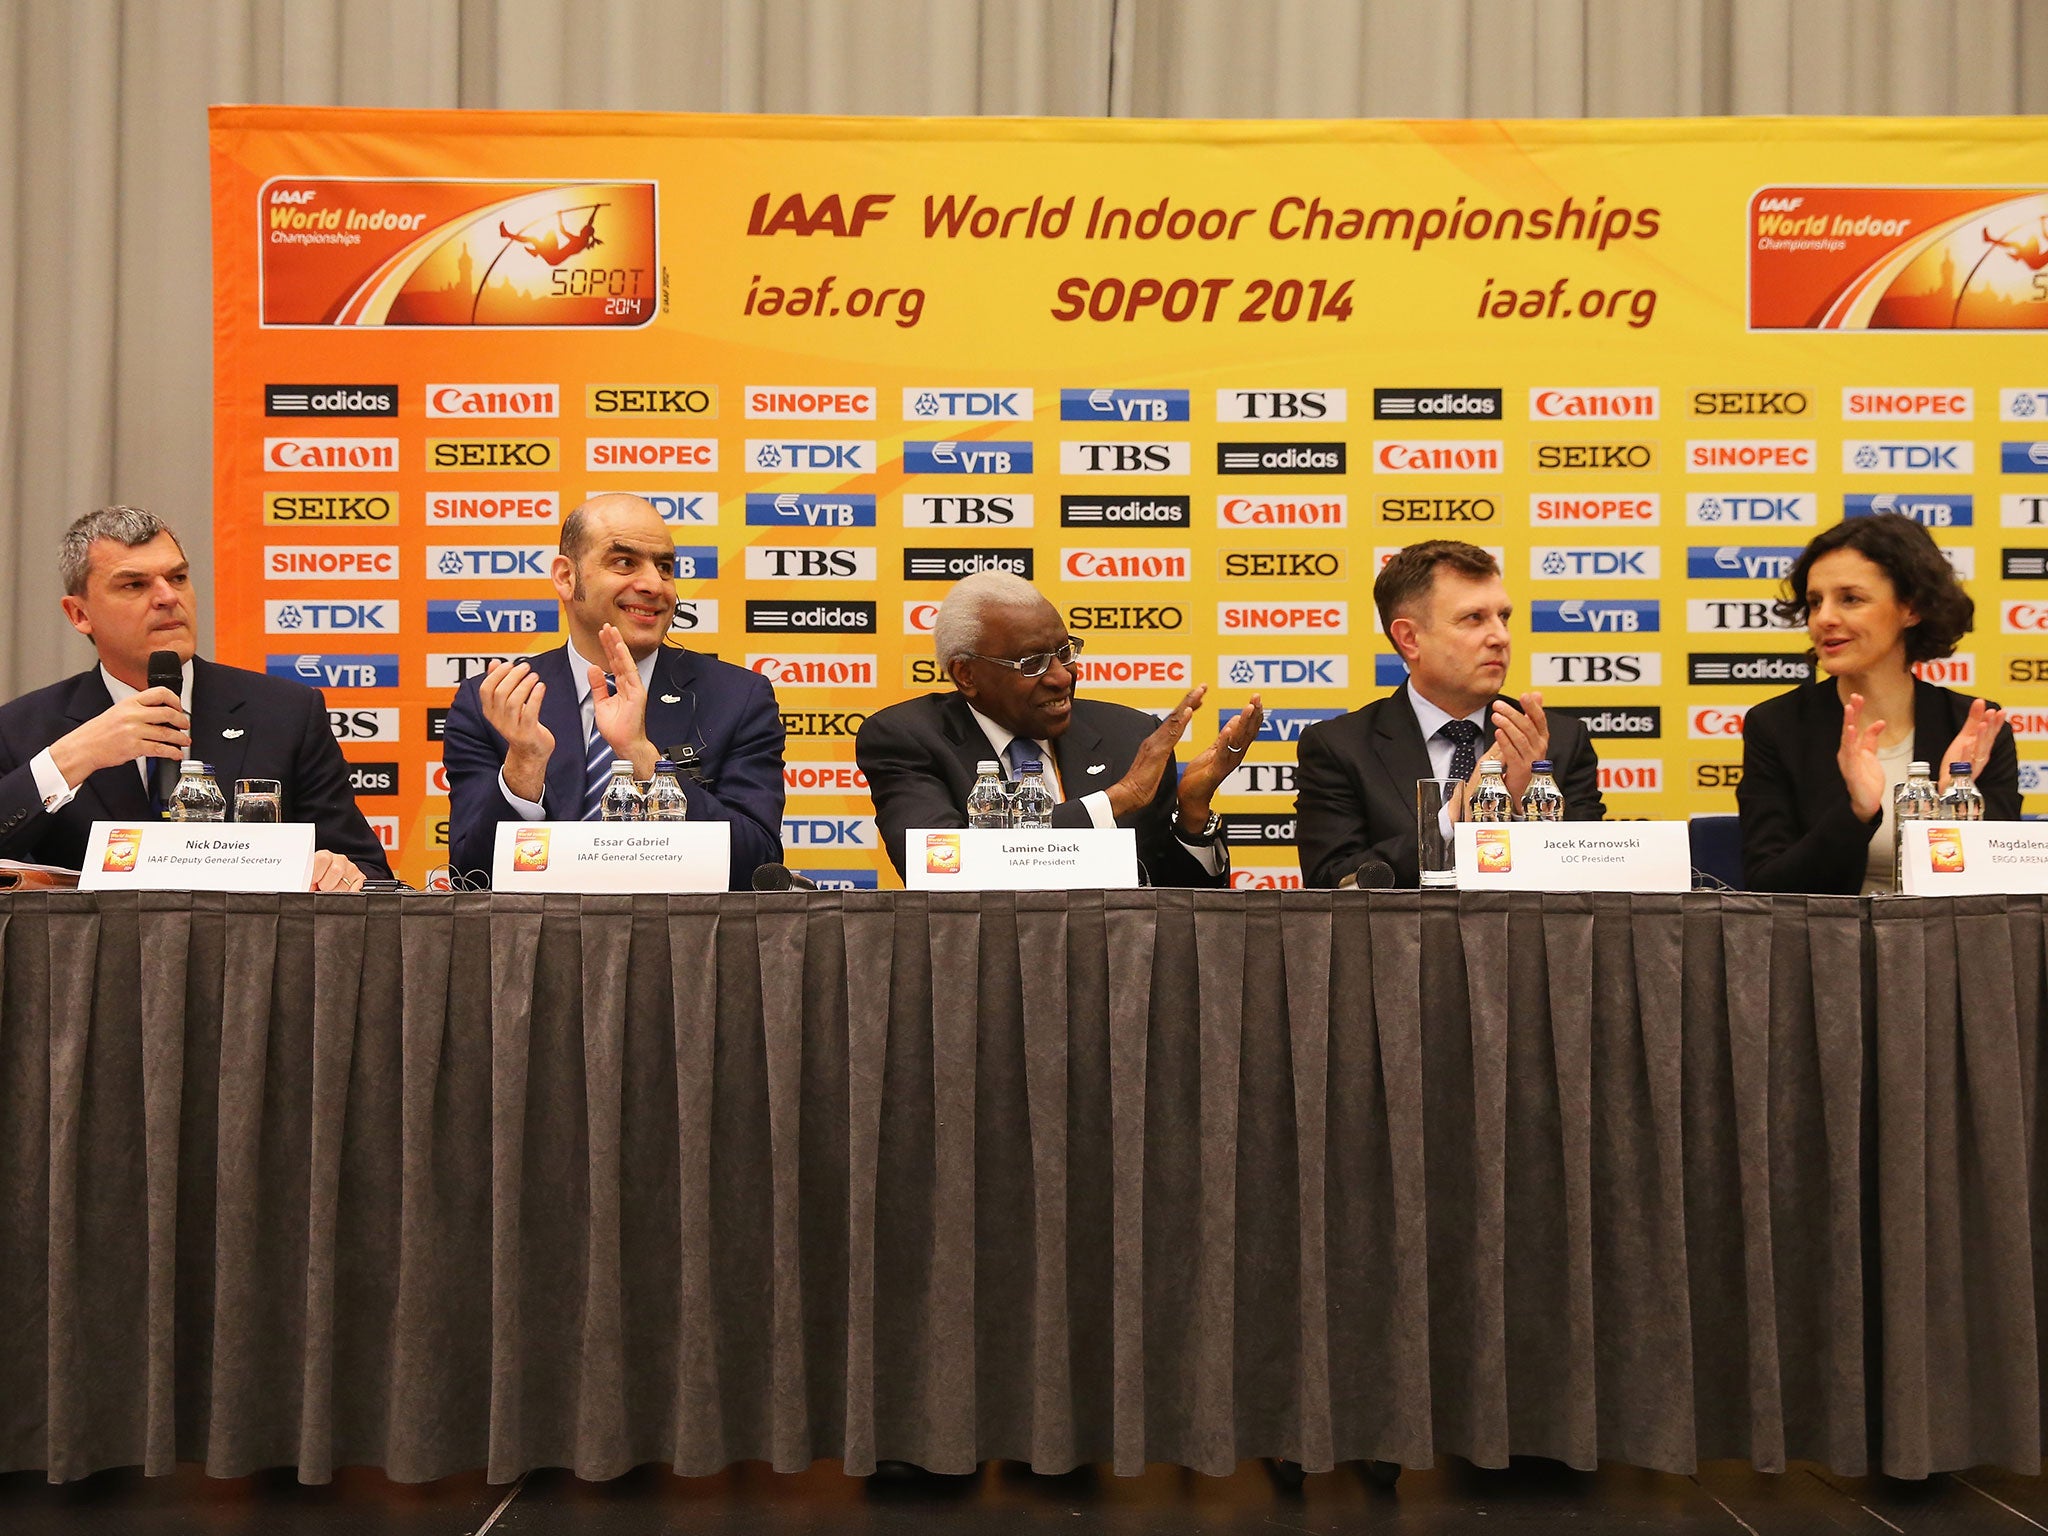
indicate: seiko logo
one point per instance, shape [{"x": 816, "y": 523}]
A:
[
  {"x": 1123, "y": 405},
  {"x": 1720, "y": 455},
  {"x": 1716, "y": 775},
  {"x": 359, "y": 562},
  {"x": 1094, "y": 616},
  {"x": 1437, "y": 456},
  {"x": 293, "y": 507},
  {"x": 1712, "y": 722},
  {"x": 1282, "y": 511},
  {"x": 330, "y": 399},
  {"x": 1280, "y": 458},
  {"x": 1554, "y": 511},
  {"x": 1751, "y": 402},
  {"x": 1714, "y": 616},
  {"x": 1010, "y": 510},
  {"x": 1711, "y": 668},
  {"x": 811, "y": 618},
  {"x": 1594, "y": 458},
  {"x": 1125, "y": 512},
  {"x": 1332, "y": 618},
  {"x": 1436, "y": 404},
  {"x": 493, "y": 453},
  {"x": 686, "y": 455},
  {"x": 1928, "y": 511},
  {"x": 1091, "y": 458},
  {"x": 1551, "y": 404},
  {"x": 494, "y": 400},
  {"x": 1634, "y": 722},
  {"x": 1727, "y": 509},
  {"x": 805, "y": 509},
  {"x": 324, "y": 454},
  {"x": 822, "y": 722},
  {"x": 292, "y": 618},
  {"x": 1125, "y": 564},
  {"x": 966, "y": 458},
  {"x": 1437, "y": 509},
  {"x": 767, "y": 402},
  {"x": 1560, "y": 562},
  {"x": 2026, "y": 669},
  {"x": 928, "y": 403},
  {"x": 1281, "y": 565},
  {"x": 1598, "y": 669},
  {"x": 1876, "y": 456},
  {"x": 1281, "y": 405},
  {"x": 493, "y": 507},
  {"x": 807, "y": 562},
  {"x": 1908, "y": 404},
  {"x": 953, "y": 564},
  {"x": 700, "y": 400},
  {"x": 837, "y": 671}
]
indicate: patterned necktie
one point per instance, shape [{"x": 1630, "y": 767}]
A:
[
  {"x": 1463, "y": 736},
  {"x": 1019, "y": 752},
  {"x": 597, "y": 765}
]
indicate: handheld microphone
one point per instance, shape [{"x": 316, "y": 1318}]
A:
[
  {"x": 1371, "y": 875},
  {"x": 165, "y": 671},
  {"x": 780, "y": 877}
]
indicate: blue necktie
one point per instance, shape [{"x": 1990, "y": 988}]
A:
[
  {"x": 1020, "y": 752},
  {"x": 1463, "y": 736},
  {"x": 598, "y": 757}
]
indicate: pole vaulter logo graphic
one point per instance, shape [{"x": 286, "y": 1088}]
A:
[
  {"x": 343, "y": 252},
  {"x": 1898, "y": 258}
]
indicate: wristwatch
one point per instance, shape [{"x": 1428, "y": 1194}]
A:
[{"x": 1211, "y": 829}]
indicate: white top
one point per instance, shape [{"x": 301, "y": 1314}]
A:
[
  {"x": 1431, "y": 720},
  {"x": 50, "y": 783},
  {"x": 579, "y": 673},
  {"x": 1884, "y": 853}
]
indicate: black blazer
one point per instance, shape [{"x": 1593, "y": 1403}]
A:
[
  {"x": 1354, "y": 784},
  {"x": 247, "y": 724},
  {"x": 1798, "y": 831},
  {"x": 919, "y": 759}
]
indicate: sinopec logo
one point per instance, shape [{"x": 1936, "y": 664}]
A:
[
  {"x": 770, "y": 402},
  {"x": 1084, "y": 617},
  {"x": 1706, "y": 669},
  {"x": 1124, "y": 405},
  {"x": 698, "y": 400},
  {"x": 1126, "y": 564},
  {"x": 681, "y": 455},
  {"x": 1957, "y": 671},
  {"x": 1125, "y": 512},
  {"x": 1716, "y": 616},
  {"x": 1594, "y": 458},
  {"x": 1554, "y": 404},
  {"x": 1632, "y": 776},
  {"x": 299, "y": 617},
  {"x": 331, "y": 562},
  {"x": 1883, "y": 456},
  {"x": 1713, "y": 722},
  {"x": 1739, "y": 562},
  {"x": 806, "y": 562},
  {"x": 454, "y": 507},
  {"x": 1585, "y": 615},
  {"x": 1133, "y": 672},
  {"x": 1751, "y": 402},
  {"x": 1114, "y": 458},
  {"x": 1729, "y": 509},
  {"x": 810, "y": 509},
  {"x": 1280, "y": 458},
  {"x": 966, "y": 458},
  {"x": 330, "y": 399},
  {"x": 1008, "y": 510},
  {"x": 1908, "y": 404},
  {"x": 954, "y": 564},
  {"x": 1437, "y": 456},
  {"x": 329, "y": 670},
  {"x": 1566, "y": 562},
  {"x": 1315, "y": 405},
  {"x": 1436, "y": 405},
  {"x": 766, "y": 618},
  {"x": 1723, "y": 455},
  {"x": 834, "y": 671},
  {"x": 1437, "y": 509},
  {"x": 323, "y": 455},
  {"x": 1550, "y": 510},
  {"x": 526, "y": 453},
  {"x": 488, "y": 401},
  {"x": 924, "y": 402},
  {"x": 1333, "y": 618},
  {"x": 1632, "y": 722},
  {"x": 1281, "y": 565},
  {"x": 2028, "y": 724},
  {"x": 823, "y": 778},
  {"x": 1597, "y": 669},
  {"x": 1282, "y": 511},
  {"x": 296, "y": 508}
]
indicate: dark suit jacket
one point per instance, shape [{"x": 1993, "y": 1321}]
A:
[
  {"x": 280, "y": 732},
  {"x": 1799, "y": 832},
  {"x": 1354, "y": 787},
  {"x": 726, "y": 712},
  {"x": 919, "y": 759}
]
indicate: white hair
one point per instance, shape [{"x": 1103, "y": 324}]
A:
[{"x": 964, "y": 614}]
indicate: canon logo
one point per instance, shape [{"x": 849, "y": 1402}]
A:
[
  {"x": 815, "y": 671},
  {"x": 1593, "y": 404},
  {"x": 1443, "y": 456},
  {"x": 1125, "y": 564},
  {"x": 1712, "y": 722},
  {"x": 1632, "y": 776},
  {"x": 330, "y": 453},
  {"x": 1957, "y": 671},
  {"x": 2023, "y": 618},
  {"x": 494, "y": 400}
]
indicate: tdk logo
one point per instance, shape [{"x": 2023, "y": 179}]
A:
[
  {"x": 330, "y": 399},
  {"x": 1638, "y": 722},
  {"x": 1555, "y": 562},
  {"x": 1003, "y": 511},
  {"x": 1865, "y": 456},
  {"x": 956, "y": 564},
  {"x": 803, "y": 456},
  {"x": 810, "y": 510},
  {"x": 1436, "y": 404},
  {"x": 1714, "y": 668},
  {"x": 1125, "y": 512},
  {"x": 1389, "y": 671},
  {"x": 2033, "y": 778},
  {"x": 1927, "y": 511},
  {"x": 446, "y": 562},
  {"x": 1597, "y": 669},
  {"x": 2023, "y": 405},
  {"x": 1738, "y": 562},
  {"x": 1575, "y": 615},
  {"x": 470, "y": 615},
  {"x": 769, "y": 618},
  {"x": 1123, "y": 405},
  {"x": 955, "y": 458},
  {"x": 1281, "y": 724},
  {"x": 330, "y": 671},
  {"x": 924, "y": 403},
  {"x": 696, "y": 508},
  {"x": 291, "y": 618},
  {"x": 830, "y": 832},
  {"x": 1727, "y": 509},
  {"x": 2023, "y": 458},
  {"x": 1281, "y": 404},
  {"x": 1092, "y": 458},
  {"x": 1285, "y": 671}
]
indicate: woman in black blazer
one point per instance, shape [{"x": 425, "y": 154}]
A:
[{"x": 1819, "y": 764}]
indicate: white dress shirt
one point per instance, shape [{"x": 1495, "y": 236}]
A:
[
  {"x": 1432, "y": 720},
  {"x": 579, "y": 673},
  {"x": 50, "y": 782}
]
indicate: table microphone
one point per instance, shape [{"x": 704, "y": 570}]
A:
[
  {"x": 780, "y": 877},
  {"x": 1371, "y": 875},
  {"x": 165, "y": 671}
]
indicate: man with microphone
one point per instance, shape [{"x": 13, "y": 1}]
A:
[
  {"x": 105, "y": 745},
  {"x": 1444, "y": 606}
]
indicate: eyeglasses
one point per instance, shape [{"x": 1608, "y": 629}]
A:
[{"x": 1039, "y": 665}]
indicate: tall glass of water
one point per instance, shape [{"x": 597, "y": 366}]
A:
[{"x": 259, "y": 800}]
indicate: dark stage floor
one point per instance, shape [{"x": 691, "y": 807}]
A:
[{"x": 752, "y": 1501}]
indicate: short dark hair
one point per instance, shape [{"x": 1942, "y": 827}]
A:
[
  {"x": 1920, "y": 577},
  {"x": 1412, "y": 573}
]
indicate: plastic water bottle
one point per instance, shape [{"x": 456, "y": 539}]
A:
[
  {"x": 622, "y": 798},
  {"x": 1914, "y": 800},
  {"x": 1963, "y": 800},
  {"x": 1490, "y": 802},
  {"x": 663, "y": 798},
  {"x": 1031, "y": 802},
  {"x": 1542, "y": 800},
  {"x": 988, "y": 803},
  {"x": 198, "y": 796}
]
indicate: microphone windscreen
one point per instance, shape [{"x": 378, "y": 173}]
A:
[
  {"x": 166, "y": 671},
  {"x": 1376, "y": 875}
]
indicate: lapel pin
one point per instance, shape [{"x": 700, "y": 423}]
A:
[
  {"x": 234, "y": 733},
  {"x": 671, "y": 698},
  {"x": 1098, "y": 767}
]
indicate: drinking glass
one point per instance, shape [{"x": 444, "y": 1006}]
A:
[
  {"x": 259, "y": 800},
  {"x": 1439, "y": 806}
]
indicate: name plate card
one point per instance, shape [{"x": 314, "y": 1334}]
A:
[
  {"x": 1974, "y": 858},
  {"x": 602, "y": 858},
  {"x": 1574, "y": 856},
  {"x": 198, "y": 856},
  {"x": 1034, "y": 859}
]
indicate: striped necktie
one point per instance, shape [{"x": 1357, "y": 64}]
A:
[{"x": 598, "y": 757}]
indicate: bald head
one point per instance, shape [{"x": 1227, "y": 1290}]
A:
[{"x": 617, "y": 565}]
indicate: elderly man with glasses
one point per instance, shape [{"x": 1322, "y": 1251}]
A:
[{"x": 1012, "y": 665}]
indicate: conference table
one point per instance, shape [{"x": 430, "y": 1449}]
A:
[{"x": 442, "y": 1182}]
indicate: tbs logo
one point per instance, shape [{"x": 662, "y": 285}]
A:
[
  {"x": 1078, "y": 458},
  {"x": 798, "y": 456},
  {"x": 331, "y": 671},
  {"x": 809, "y": 510},
  {"x": 1863, "y": 456},
  {"x": 955, "y": 458},
  {"x": 363, "y": 724},
  {"x": 1723, "y": 509},
  {"x": 924, "y": 403},
  {"x": 291, "y": 618},
  {"x": 1738, "y": 562},
  {"x": 476, "y": 616},
  {"x": 1597, "y": 669},
  {"x": 1281, "y": 404},
  {"x": 1927, "y": 511},
  {"x": 1123, "y": 405},
  {"x": 1576, "y": 614}
]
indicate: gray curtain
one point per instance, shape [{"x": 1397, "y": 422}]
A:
[{"x": 104, "y": 299}]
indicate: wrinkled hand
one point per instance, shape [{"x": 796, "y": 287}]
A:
[
  {"x": 1141, "y": 780},
  {"x": 620, "y": 711},
  {"x": 333, "y": 872},
  {"x": 511, "y": 699},
  {"x": 1857, "y": 758},
  {"x": 1200, "y": 780},
  {"x": 151, "y": 724},
  {"x": 1973, "y": 742},
  {"x": 1521, "y": 739}
]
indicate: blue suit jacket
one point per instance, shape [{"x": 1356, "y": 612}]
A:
[{"x": 726, "y": 712}]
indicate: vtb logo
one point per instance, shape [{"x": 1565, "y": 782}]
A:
[{"x": 827, "y": 216}]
